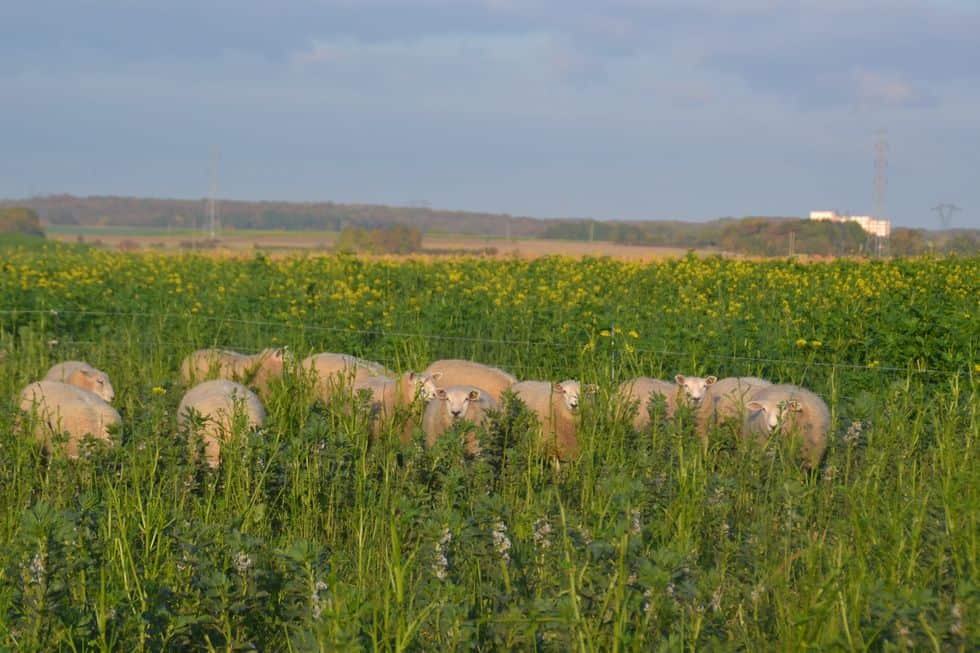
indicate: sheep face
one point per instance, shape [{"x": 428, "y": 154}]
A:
[
  {"x": 457, "y": 401},
  {"x": 694, "y": 387},
  {"x": 571, "y": 392},
  {"x": 97, "y": 382},
  {"x": 425, "y": 384},
  {"x": 775, "y": 414}
]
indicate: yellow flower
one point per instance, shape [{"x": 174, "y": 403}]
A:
[
  {"x": 157, "y": 390},
  {"x": 605, "y": 333},
  {"x": 801, "y": 342},
  {"x": 873, "y": 364},
  {"x": 976, "y": 367},
  {"x": 634, "y": 334},
  {"x": 816, "y": 344}
]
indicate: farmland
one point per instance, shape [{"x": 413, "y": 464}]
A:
[{"x": 311, "y": 535}]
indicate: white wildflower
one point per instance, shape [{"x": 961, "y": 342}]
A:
[
  {"x": 243, "y": 562},
  {"x": 956, "y": 628},
  {"x": 716, "y": 599},
  {"x": 37, "y": 568},
  {"x": 440, "y": 563},
  {"x": 757, "y": 593},
  {"x": 853, "y": 434},
  {"x": 501, "y": 543},
  {"x": 542, "y": 529},
  {"x": 725, "y": 530},
  {"x": 635, "y": 525},
  {"x": 315, "y": 600},
  {"x": 647, "y": 600}
]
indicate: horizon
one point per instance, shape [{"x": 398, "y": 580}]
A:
[{"x": 639, "y": 110}]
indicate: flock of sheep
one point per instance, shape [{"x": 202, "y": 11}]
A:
[{"x": 74, "y": 398}]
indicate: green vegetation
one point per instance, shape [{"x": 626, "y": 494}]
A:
[
  {"x": 396, "y": 239},
  {"x": 312, "y": 536},
  {"x": 21, "y": 221}
]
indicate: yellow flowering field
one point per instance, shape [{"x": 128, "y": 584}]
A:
[{"x": 316, "y": 537}]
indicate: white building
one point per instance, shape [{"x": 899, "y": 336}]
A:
[{"x": 880, "y": 228}]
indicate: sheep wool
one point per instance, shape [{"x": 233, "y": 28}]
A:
[
  {"x": 790, "y": 410},
  {"x": 641, "y": 390},
  {"x": 83, "y": 375},
  {"x": 218, "y": 402},
  {"x": 455, "y": 404},
  {"x": 388, "y": 395},
  {"x": 63, "y": 407},
  {"x": 333, "y": 371},
  {"x": 725, "y": 401},
  {"x": 257, "y": 370},
  {"x": 556, "y": 405},
  {"x": 491, "y": 380}
]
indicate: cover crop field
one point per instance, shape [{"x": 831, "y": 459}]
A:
[{"x": 314, "y": 536}]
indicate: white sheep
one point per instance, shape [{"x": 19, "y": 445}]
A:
[
  {"x": 641, "y": 390},
  {"x": 83, "y": 375},
  {"x": 491, "y": 380},
  {"x": 556, "y": 405},
  {"x": 725, "y": 401},
  {"x": 335, "y": 370},
  {"x": 63, "y": 407},
  {"x": 257, "y": 370},
  {"x": 218, "y": 402},
  {"x": 789, "y": 410},
  {"x": 389, "y": 395},
  {"x": 693, "y": 389},
  {"x": 456, "y": 404}
]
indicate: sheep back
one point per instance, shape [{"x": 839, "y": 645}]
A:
[
  {"x": 808, "y": 418},
  {"x": 217, "y": 401},
  {"x": 83, "y": 375},
  {"x": 641, "y": 390},
  {"x": 62, "y": 407},
  {"x": 463, "y": 372},
  {"x": 558, "y": 423},
  {"x": 725, "y": 401}
]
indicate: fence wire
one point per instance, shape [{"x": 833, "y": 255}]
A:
[{"x": 384, "y": 333}]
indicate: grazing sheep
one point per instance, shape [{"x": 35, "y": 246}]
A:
[
  {"x": 640, "y": 391},
  {"x": 455, "y": 404},
  {"x": 693, "y": 388},
  {"x": 84, "y": 376},
  {"x": 556, "y": 407},
  {"x": 462, "y": 372},
  {"x": 256, "y": 370},
  {"x": 63, "y": 407},
  {"x": 725, "y": 401},
  {"x": 218, "y": 402},
  {"x": 334, "y": 370},
  {"x": 388, "y": 395},
  {"x": 790, "y": 410}
]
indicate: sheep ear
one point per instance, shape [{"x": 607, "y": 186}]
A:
[
  {"x": 473, "y": 395},
  {"x": 441, "y": 393},
  {"x": 413, "y": 376},
  {"x": 794, "y": 405},
  {"x": 558, "y": 387},
  {"x": 89, "y": 373},
  {"x": 435, "y": 376},
  {"x": 679, "y": 379},
  {"x": 710, "y": 380},
  {"x": 591, "y": 388},
  {"x": 755, "y": 405}
]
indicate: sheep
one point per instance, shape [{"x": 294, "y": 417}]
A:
[
  {"x": 257, "y": 370},
  {"x": 63, "y": 407},
  {"x": 725, "y": 401},
  {"x": 388, "y": 395},
  {"x": 218, "y": 402},
  {"x": 556, "y": 407},
  {"x": 455, "y": 404},
  {"x": 640, "y": 390},
  {"x": 462, "y": 372},
  {"x": 789, "y": 410},
  {"x": 83, "y": 375},
  {"x": 685, "y": 391},
  {"x": 335, "y": 370}
]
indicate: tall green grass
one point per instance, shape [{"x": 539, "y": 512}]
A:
[{"x": 312, "y": 536}]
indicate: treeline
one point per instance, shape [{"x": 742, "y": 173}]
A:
[
  {"x": 369, "y": 227},
  {"x": 20, "y": 220}
]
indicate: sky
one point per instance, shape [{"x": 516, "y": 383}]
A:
[{"x": 626, "y": 109}]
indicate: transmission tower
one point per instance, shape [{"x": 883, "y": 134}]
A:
[
  {"x": 881, "y": 173},
  {"x": 945, "y": 212},
  {"x": 213, "y": 226}
]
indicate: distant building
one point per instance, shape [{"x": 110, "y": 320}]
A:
[{"x": 880, "y": 228}]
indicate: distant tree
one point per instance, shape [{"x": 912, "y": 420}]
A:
[
  {"x": 394, "y": 239},
  {"x": 20, "y": 220},
  {"x": 907, "y": 242}
]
